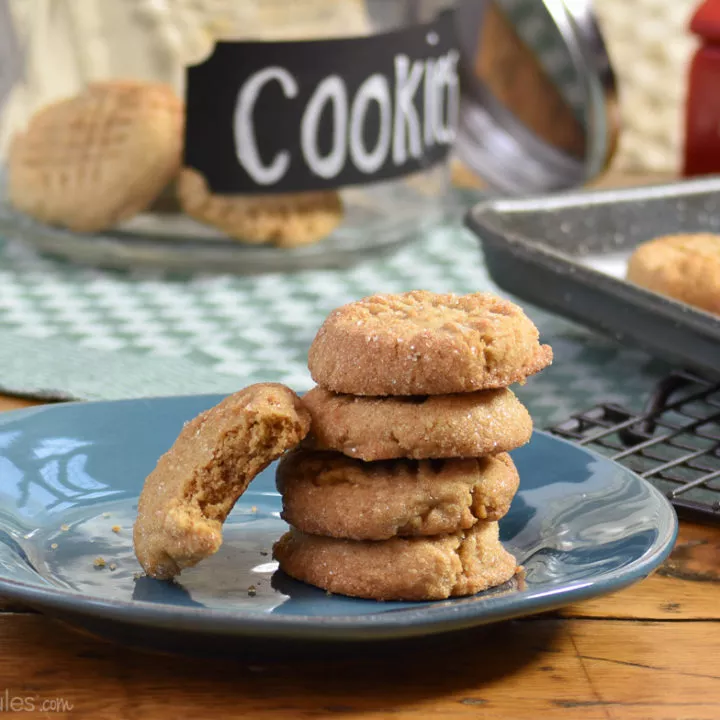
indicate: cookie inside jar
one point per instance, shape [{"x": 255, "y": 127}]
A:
[{"x": 312, "y": 129}]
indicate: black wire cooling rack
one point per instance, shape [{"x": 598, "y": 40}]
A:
[{"x": 674, "y": 443}]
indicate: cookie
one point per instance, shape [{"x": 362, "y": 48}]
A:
[
  {"x": 93, "y": 160},
  {"x": 287, "y": 220},
  {"x": 464, "y": 425},
  {"x": 422, "y": 343},
  {"x": 684, "y": 267},
  {"x": 187, "y": 497},
  {"x": 330, "y": 494},
  {"x": 427, "y": 568}
]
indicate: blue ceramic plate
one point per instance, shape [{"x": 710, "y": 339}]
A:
[{"x": 70, "y": 476}]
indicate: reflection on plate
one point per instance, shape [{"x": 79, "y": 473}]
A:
[{"x": 71, "y": 474}]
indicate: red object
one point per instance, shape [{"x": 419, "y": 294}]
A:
[{"x": 702, "y": 115}]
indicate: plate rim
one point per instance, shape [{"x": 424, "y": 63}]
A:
[{"x": 426, "y": 619}]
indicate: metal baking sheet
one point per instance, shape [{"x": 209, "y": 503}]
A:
[{"x": 568, "y": 254}]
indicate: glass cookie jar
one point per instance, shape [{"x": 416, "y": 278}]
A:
[{"x": 272, "y": 134}]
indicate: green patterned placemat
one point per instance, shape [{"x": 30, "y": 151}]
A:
[{"x": 88, "y": 334}]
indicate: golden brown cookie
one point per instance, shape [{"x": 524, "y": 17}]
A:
[
  {"x": 422, "y": 343},
  {"x": 187, "y": 497},
  {"x": 287, "y": 220},
  {"x": 464, "y": 425},
  {"x": 684, "y": 267},
  {"x": 93, "y": 160},
  {"x": 326, "y": 493},
  {"x": 427, "y": 568}
]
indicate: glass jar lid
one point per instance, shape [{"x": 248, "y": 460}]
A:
[{"x": 539, "y": 104}]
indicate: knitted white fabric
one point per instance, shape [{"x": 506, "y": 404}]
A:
[{"x": 651, "y": 49}]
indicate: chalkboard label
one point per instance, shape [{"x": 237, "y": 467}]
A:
[{"x": 273, "y": 117}]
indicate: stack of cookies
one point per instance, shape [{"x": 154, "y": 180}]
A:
[{"x": 398, "y": 490}]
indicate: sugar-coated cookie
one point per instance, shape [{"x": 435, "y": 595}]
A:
[
  {"x": 187, "y": 497},
  {"x": 330, "y": 494},
  {"x": 464, "y": 425},
  {"x": 286, "y": 220},
  {"x": 425, "y": 568},
  {"x": 423, "y": 343},
  {"x": 93, "y": 160},
  {"x": 684, "y": 267}
]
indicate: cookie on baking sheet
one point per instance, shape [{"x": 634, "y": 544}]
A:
[
  {"x": 100, "y": 157},
  {"x": 287, "y": 220},
  {"x": 423, "y": 343},
  {"x": 464, "y": 425},
  {"x": 188, "y": 495},
  {"x": 684, "y": 267},
  {"x": 426, "y": 568},
  {"x": 330, "y": 494}
]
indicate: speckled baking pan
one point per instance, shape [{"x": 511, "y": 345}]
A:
[{"x": 568, "y": 254}]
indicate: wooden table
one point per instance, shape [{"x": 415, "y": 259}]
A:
[{"x": 647, "y": 653}]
